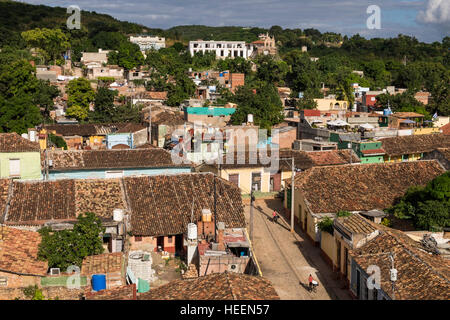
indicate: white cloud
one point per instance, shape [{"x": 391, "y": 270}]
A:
[{"x": 437, "y": 12}]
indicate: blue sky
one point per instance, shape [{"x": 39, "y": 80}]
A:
[{"x": 427, "y": 20}]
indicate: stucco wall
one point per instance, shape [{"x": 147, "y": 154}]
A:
[
  {"x": 30, "y": 164},
  {"x": 328, "y": 246},
  {"x": 245, "y": 178}
]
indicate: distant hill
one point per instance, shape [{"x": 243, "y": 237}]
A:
[{"x": 16, "y": 17}]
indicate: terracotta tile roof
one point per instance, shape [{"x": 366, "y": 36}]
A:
[
  {"x": 156, "y": 95},
  {"x": 420, "y": 276},
  {"x": 408, "y": 115},
  {"x": 111, "y": 159},
  {"x": 18, "y": 252},
  {"x": 131, "y": 127},
  {"x": 311, "y": 113},
  {"x": 168, "y": 118},
  {"x": 302, "y": 159},
  {"x": 85, "y": 129},
  {"x": 12, "y": 142},
  {"x": 162, "y": 205},
  {"x": 446, "y": 129},
  {"x": 120, "y": 146},
  {"x": 119, "y": 293},
  {"x": 332, "y": 157},
  {"x": 158, "y": 205},
  {"x": 4, "y": 190},
  {"x": 103, "y": 264},
  {"x": 356, "y": 224},
  {"x": 33, "y": 203},
  {"x": 414, "y": 144},
  {"x": 362, "y": 187},
  {"x": 217, "y": 286}
]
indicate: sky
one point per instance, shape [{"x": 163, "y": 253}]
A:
[{"x": 427, "y": 20}]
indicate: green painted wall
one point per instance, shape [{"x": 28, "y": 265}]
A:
[{"x": 30, "y": 164}]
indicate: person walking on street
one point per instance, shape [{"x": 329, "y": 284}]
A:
[{"x": 310, "y": 280}]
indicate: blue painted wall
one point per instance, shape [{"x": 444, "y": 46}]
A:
[
  {"x": 100, "y": 174},
  {"x": 119, "y": 138}
]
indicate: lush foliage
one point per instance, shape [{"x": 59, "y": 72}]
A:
[
  {"x": 65, "y": 248},
  {"x": 80, "y": 95},
  {"x": 106, "y": 111},
  {"x": 326, "y": 225},
  {"x": 58, "y": 141},
  {"x": 429, "y": 206}
]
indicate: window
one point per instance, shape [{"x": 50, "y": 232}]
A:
[
  {"x": 234, "y": 178},
  {"x": 3, "y": 281},
  {"x": 14, "y": 167}
]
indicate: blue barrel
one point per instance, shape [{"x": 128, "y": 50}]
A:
[{"x": 98, "y": 282}]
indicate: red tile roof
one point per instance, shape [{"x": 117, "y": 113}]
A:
[
  {"x": 412, "y": 144},
  {"x": 18, "y": 252},
  {"x": 311, "y": 113},
  {"x": 362, "y": 187},
  {"x": 33, "y": 203},
  {"x": 373, "y": 151},
  {"x": 111, "y": 159},
  {"x": 119, "y": 293},
  {"x": 216, "y": 286},
  {"x": 12, "y": 142},
  {"x": 446, "y": 129},
  {"x": 420, "y": 276},
  {"x": 158, "y": 205},
  {"x": 103, "y": 264},
  {"x": 162, "y": 205}
]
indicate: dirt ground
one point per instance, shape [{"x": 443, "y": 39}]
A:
[
  {"x": 165, "y": 271},
  {"x": 287, "y": 259}
]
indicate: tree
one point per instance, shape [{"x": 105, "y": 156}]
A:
[
  {"x": 184, "y": 89},
  {"x": 270, "y": 70},
  {"x": 80, "y": 95},
  {"x": 326, "y": 225},
  {"x": 428, "y": 207},
  {"x": 303, "y": 74},
  {"x": 404, "y": 102},
  {"x": 51, "y": 42},
  {"x": 18, "y": 113},
  {"x": 43, "y": 98},
  {"x": 263, "y": 102},
  {"x": 128, "y": 56},
  {"x": 65, "y": 248}
]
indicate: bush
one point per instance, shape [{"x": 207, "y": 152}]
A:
[{"x": 326, "y": 225}]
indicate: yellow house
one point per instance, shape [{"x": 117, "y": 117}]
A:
[
  {"x": 412, "y": 147},
  {"x": 331, "y": 105}
]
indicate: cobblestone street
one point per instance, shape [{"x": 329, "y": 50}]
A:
[{"x": 288, "y": 259}]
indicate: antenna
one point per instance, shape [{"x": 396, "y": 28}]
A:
[{"x": 192, "y": 211}]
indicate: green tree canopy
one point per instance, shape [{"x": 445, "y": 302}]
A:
[
  {"x": 51, "y": 42},
  {"x": 65, "y": 248}
]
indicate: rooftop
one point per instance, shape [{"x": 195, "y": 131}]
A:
[
  {"x": 103, "y": 263},
  {"x": 362, "y": 187},
  {"x": 12, "y": 142},
  {"x": 18, "y": 252},
  {"x": 158, "y": 205},
  {"x": 63, "y": 160},
  {"x": 118, "y": 293},
  {"x": 420, "y": 276},
  {"x": 86, "y": 129},
  {"x": 355, "y": 224},
  {"x": 411, "y": 144},
  {"x": 213, "y": 111},
  {"x": 216, "y": 286}
]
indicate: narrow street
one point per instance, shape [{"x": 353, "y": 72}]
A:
[{"x": 288, "y": 259}]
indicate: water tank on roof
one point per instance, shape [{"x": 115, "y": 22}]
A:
[
  {"x": 118, "y": 215},
  {"x": 192, "y": 231},
  {"x": 206, "y": 215},
  {"x": 250, "y": 118},
  {"x": 387, "y": 112},
  {"x": 98, "y": 282}
]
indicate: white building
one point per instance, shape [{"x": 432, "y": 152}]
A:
[
  {"x": 223, "y": 49},
  {"x": 148, "y": 42}
]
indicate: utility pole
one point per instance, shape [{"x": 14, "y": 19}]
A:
[
  {"x": 149, "y": 128},
  {"x": 292, "y": 194},
  {"x": 393, "y": 274},
  {"x": 292, "y": 189},
  {"x": 251, "y": 212},
  {"x": 215, "y": 209}
]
